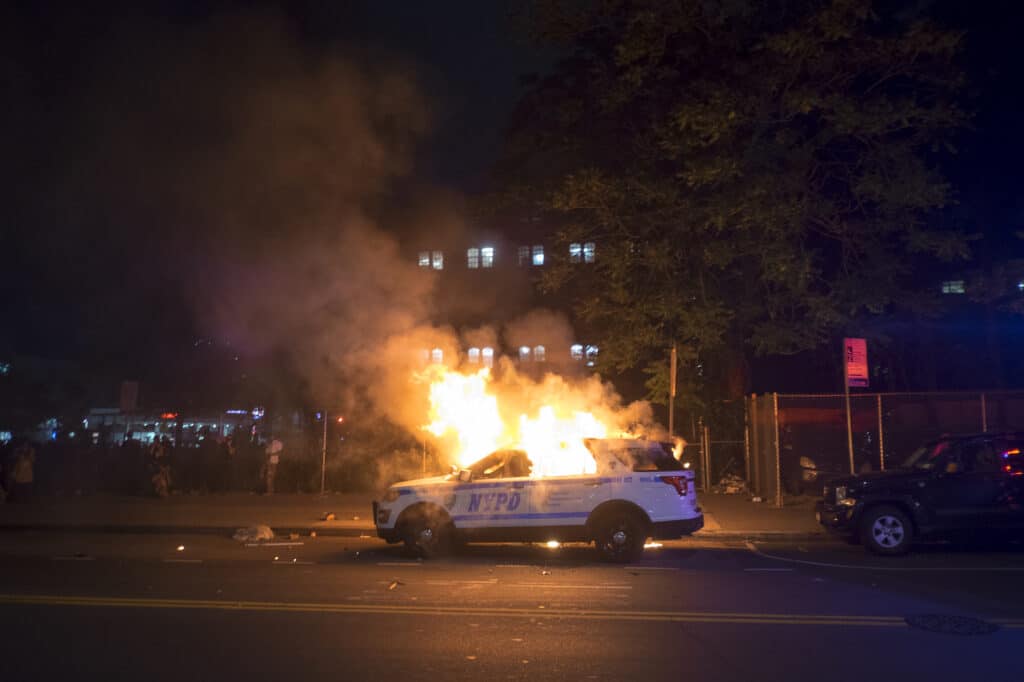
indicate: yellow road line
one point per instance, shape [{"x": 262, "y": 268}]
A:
[{"x": 393, "y": 609}]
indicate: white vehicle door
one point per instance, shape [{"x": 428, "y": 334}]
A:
[
  {"x": 566, "y": 500},
  {"x": 493, "y": 497}
]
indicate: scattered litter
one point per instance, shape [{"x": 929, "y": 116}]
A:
[
  {"x": 731, "y": 484},
  {"x": 545, "y": 572},
  {"x": 355, "y": 518},
  {"x": 394, "y": 584},
  {"x": 328, "y": 516},
  {"x": 254, "y": 534},
  {"x": 312, "y": 533}
]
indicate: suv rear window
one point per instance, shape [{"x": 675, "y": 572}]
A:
[{"x": 648, "y": 457}]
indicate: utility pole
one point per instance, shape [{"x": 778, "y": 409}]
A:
[
  {"x": 672, "y": 395},
  {"x": 323, "y": 458}
]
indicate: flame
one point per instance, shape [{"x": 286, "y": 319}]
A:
[{"x": 466, "y": 415}]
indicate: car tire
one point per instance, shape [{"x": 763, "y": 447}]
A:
[
  {"x": 886, "y": 530},
  {"x": 426, "y": 536},
  {"x": 620, "y": 538}
]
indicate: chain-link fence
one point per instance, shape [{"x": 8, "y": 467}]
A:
[{"x": 797, "y": 442}]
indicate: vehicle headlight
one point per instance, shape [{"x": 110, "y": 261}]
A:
[
  {"x": 390, "y": 496},
  {"x": 842, "y": 498}
]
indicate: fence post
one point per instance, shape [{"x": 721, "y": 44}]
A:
[
  {"x": 755, "y": 471},
  {"x": 778, "y": 463},
  {"x": 881, "y": 436},
  {"x": 984, "y": 415},
  {"x": 746, "y": 439}
]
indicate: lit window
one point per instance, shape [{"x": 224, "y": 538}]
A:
[
  {"x": 474, "y": 356},
  {"x": 437, "y": 356},
  {"x": 955, "y": 286},
  {"x": 488, "y": 355},
  {"x": 576, "y": 351},
  {"x": 538, "y": 353},
  {"x": 524, "y": 354},
  {"x": 591, "y": 353},
  {"x": 424, "y": 259},
  {"x": 588, "y": 252},
  {"x": 487, "y": 257},
  {"x": 437, "y": 261},
  {"x": 575, "y": 253},
  {"x": 473, "y": 258},
  {"x": 538, "y": 254},
  {"x": 524, "y": 256}
]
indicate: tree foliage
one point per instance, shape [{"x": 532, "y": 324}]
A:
[{"x": 755, "y": 174}]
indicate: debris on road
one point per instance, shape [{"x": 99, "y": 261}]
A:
[
  {"x": 394, "y": 584},
  {"x": 328, "y": 516},
  {"x": 260, "y": 533}
]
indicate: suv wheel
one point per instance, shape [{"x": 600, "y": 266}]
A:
[
  {"x": 620, "y": 538},
  {"x": 426, "y": 537},
  {"x": 886, "y": 530}
]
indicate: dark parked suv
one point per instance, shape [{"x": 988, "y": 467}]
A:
[{"x": 956, "y": 483}]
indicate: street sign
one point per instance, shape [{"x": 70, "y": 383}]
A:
[{"x": 856, "y": 352}]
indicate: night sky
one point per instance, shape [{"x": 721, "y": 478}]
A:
[{"x": 93, "y": 261}]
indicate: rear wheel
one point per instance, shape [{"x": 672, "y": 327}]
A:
[
  {"x": 886, "y": 530},
  {"x": 620, "y": 538}
]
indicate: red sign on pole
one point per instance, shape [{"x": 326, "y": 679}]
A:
[{"x": 856, "y": 351}]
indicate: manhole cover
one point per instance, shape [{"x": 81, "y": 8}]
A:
[{"x": 951, "y": 625}]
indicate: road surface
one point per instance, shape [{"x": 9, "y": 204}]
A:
[{"x": 162, "y": 607}]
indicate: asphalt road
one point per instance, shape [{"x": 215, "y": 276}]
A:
[{"x": 155, "y": 607}]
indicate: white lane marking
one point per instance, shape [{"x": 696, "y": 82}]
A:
[
  {"x": 182, "y": 561},
  {"x": 650, "y": 568},
  {"x": 399, "y": 563},
  {"x": 293, "y": 562},
  {"x": 905, "y": 569},
  {"x": 73, "y": 558},
  {"x": 556, "y": 586},
  {"x": 493, "y": 581},
  {"x": 514, "y": 566},
  {"x": 274, "y": 544},
  {"x": 769, "y": 570}
]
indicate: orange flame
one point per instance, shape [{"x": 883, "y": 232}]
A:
[{"x": 465, "y": 414}]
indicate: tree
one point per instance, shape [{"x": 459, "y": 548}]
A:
[{"x": 754, "y": 174}]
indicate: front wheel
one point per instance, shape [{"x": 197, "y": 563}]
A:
[
  {"x": 886, "y": 530},
  {"x": 427, "y": 537},
  {"x": 620, "y": 539}
]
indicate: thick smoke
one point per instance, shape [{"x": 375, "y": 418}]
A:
[{"x": 268, "y": 181}]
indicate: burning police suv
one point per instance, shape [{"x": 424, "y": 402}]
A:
[{"x": 638, "y": 490}]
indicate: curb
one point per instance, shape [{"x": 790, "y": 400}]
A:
[
  {"x": 804, "y": 536},
  {"x": 226, "y": 531}
]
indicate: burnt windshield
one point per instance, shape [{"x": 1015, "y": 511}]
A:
[
  {"x": 647, "y": 456},
  {"x": 502, "y": 464}
]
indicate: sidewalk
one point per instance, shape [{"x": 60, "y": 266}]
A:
[
  {"x": 215, "y": 513},
  {"x": 726, "y": 516},
  {"x": 737, "y": 517}
]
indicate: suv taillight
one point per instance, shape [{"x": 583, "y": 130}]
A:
[{"x": 678, "y": 482}]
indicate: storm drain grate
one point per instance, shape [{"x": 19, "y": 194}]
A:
[{"x": 951, "y": 625}]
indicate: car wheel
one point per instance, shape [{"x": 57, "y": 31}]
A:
[
  {"x": 427, "y": 537},
  {"x": 886, "y": 530},
  {"x": 621, "y": 538}
]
